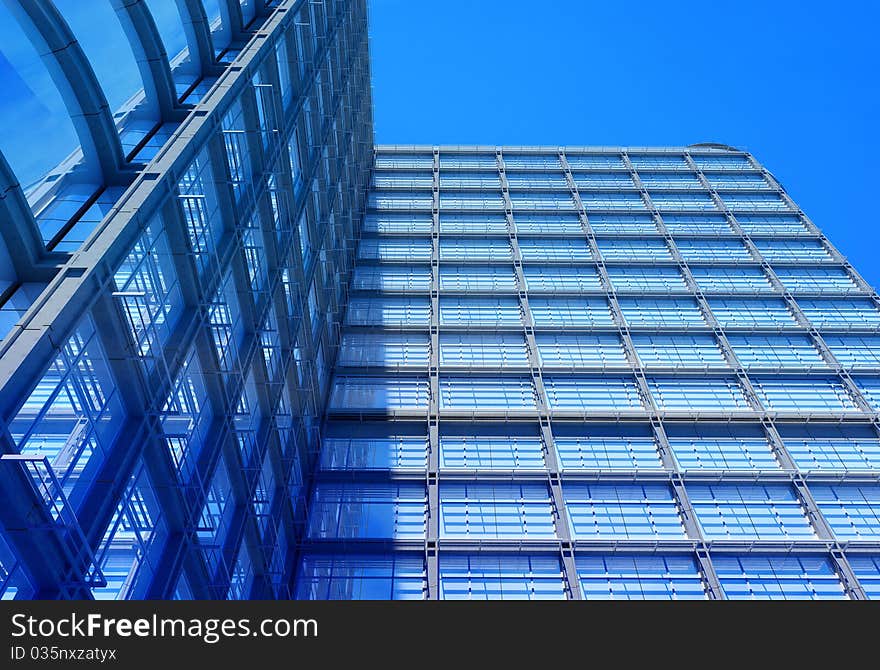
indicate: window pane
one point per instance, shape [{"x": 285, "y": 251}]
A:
[
  {"x": 660, "y": 312},
  {"x": 760, "y": 202},
  {"x": 592, "y": 394},
  {"x": 779, "y": 224},
  {"x": 369, "y": 577},
  {"x": 623, "y": 224},
  {"x": 832, "y": 447},
  {"x": 377, "y": 393},
  {"x": 463, "y": 249},
  {"x": 392, "y": 222},
  {"x": 511, "y": 393},
  {"x": 731, "y": 279},
  {"x": 32, "y": 107},
  {"x": 496, "y": 511},
  {"x": 622, "y": 511},
  {"x": 697, "y": 224},
  {"x": 671, "y": 180},
  {"x": 479, "y": 312},
  {"x": 634, "y": 249},
  {"x": 665, "y": 200},
  {"x": 580, "y": 351},
  {"x": 554, "y": 250},
  {"x": 570, "y": 312},
  {"x": 776, "y": 351},
  {"x": 651, "y": 577},
  {"x": 721, "y": 447},
  {"x": 755, "y": 511},
  {"x": 561, "y": 279},
  {"x": 491, "y": 452},
  {"x": 388, "y": 312},
  {"x": 478, "y": 223},
  {"x": 597, "y": 446},
  {"x": 594, "y": 161},
  {"x": 504, "y": 350},
  {"x": 364, "y": 447},
  {"x": 548, "y": 224},
  {"x": 508, "y": 577},
  {"x": 804, "y": 394},
  {"x": 712, "y": 250},
  {"x": 369, "y": 511},
  {"x": 783, "y": 577},
  {"x": 392, "y": 279},
  {"x": 867, "y": 570},
  {"x": 732, "y": 313},
  {"x": 467, "y": 278},
  {"x": 388, "y": 350},
  {"x": 816, "y": 280},
  {"x": 678, "y": 351},
  {"x": 646, "y": 279},
  {"x": 853, "y": 512},
  {"x": 698, "y": 394},
  {"x": 855, "y": 351},
  {"x": 840, "y": 313}
]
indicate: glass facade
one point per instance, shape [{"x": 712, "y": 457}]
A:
[
  {"x": 172, "y": 298},
  {"x": 248, "y": 354},
  {"x": 604, "y": 373}
]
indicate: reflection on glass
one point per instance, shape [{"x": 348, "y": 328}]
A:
[{"x": 32, "y": 107}]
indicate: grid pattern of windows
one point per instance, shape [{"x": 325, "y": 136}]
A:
[
  {"x": 413, "y": 372},
  {"x": 631, "y": 376}
]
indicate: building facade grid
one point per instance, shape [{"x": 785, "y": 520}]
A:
[
  {"x": 161, "y": 397},
  {"x": 248, "y": 354},
  {"x": 599, "y": 373}
]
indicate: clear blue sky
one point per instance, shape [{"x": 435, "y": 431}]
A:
[{"x": 795, "y": 83}]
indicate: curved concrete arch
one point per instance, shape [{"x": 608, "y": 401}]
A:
[
  {"x": 79, "y": 88},
  {"x": 230, "y": 10},
  {"x": 198, "y": 35},
  {"x": 152, "y": 60},
  {"x": 19, "y": 233}
]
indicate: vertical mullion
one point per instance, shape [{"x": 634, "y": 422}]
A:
[
  {"x": 432, "y": 475},
  {"x": 554, "y": 481}
]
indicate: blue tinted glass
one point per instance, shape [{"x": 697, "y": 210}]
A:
[{"x": 31, "y": 106}]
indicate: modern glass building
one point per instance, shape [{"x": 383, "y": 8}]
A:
[
  {"x": 174, "y": 269},
  {"x": 596, "y": 373},
  {"x": 248, "y": 355}
]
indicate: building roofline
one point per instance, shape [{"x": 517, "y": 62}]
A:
[{"x": 536, "y": 148}]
